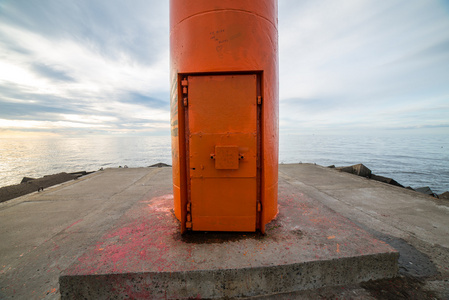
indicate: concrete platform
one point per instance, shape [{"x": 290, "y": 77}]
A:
[
  {"x": 117, "y": 221},
  {"x": 308, "y": 246}
]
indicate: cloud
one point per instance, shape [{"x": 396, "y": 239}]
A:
[
  {"x": 84, "y": 64},
  {"x": 146, "y": 100},
  {"x": 351, "y": 63},
  {"x": 51, "y": 72},
  {"x": 109, "y": 27},
  {"x": 103, "y": 66}
]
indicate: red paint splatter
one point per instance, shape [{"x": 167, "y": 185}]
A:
[
  {"x": 73, "y": 224},
  {"x": 145, "y": 238}
]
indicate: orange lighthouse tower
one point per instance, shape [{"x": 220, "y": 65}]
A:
[{"x": 224, "y": 113}]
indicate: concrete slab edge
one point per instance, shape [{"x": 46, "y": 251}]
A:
[{"x": 231, "y": 283}]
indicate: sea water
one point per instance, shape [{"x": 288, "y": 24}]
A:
[{"x": 411, "y": 160}]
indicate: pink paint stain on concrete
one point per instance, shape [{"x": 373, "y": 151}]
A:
[
  {"x": 141, "y": 240},
  {"x": 147, "y": 239},
  {"x": 73, "y": 224},
  {"x": 56, "y": 246}
]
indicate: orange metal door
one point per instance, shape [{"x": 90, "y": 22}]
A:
[{"x": 222, "y": 158}]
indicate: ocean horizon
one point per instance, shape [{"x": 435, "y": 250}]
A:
[{"x": 412, "y": 160}]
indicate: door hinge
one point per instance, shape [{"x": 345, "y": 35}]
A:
[
  {"x": 188, "y": 221},
  {"x": 259, "y": 100},
  {"x": 184, "y": 84},
  {"x": 259, "y": 207},
  {"x": 185, "y": 101}
]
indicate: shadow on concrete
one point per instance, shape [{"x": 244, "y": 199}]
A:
[
  {"x": 404, "y": 287},
  {"x": 206, "y": 237},
  {"x": 411, "y": 261}
]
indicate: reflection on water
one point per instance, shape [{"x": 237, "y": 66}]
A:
[
  {"x": 38, "y": 157},
  {"x": 410, "y": 160}
]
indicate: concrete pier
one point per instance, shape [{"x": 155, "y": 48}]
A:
[{"x": 112, "y": 234}]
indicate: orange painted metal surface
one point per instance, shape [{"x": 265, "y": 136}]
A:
[
  {"x": 222, "y": 128},
  {"x": 224, "y": 113}
]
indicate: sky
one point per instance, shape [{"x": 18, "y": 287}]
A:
[{"x": 71, "y": 68}]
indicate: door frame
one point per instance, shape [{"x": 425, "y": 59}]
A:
[{"x": 183, "y": 127}]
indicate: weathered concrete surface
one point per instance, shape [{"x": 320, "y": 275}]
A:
[
  {"x": 308, "y": 246},
  {"x": 416, "y": 225},
  {"x": 398, "y": 211},
  {"x": 43, "y": 234}
]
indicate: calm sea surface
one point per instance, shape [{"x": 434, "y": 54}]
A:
[{"x": 411, "y": 160}]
